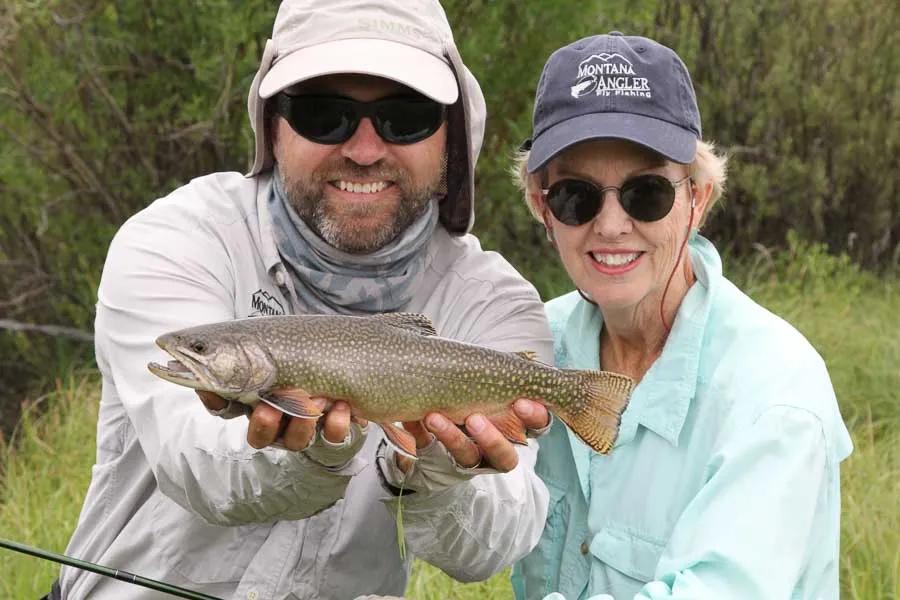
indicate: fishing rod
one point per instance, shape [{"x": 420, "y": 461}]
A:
[{"x": 125, "y": 576}]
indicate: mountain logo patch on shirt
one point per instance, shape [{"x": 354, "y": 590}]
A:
[{"x": 264, "y": 304}]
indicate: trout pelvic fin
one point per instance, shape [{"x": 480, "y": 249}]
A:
[
  {"x": 511, "y": 426},
  {"x": 595, "y": 415},
  {"x": 293, "y": 401},
  {"x": 400, "y": 439},
  {"x": 414, "y": 322}
]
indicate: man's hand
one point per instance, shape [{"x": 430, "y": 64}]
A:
[
  {"x": 268, "y": 424},
  {"x": 487, "y": 446}
]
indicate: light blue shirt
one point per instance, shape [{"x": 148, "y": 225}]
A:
[{"x": 724, "y": 481}]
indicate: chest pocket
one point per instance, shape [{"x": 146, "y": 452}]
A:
[
  {"x": 201, "y": 552},
  {"x": 631, "y": 554}
]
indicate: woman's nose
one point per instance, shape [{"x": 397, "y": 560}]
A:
[{"x": 611, "y": 220}]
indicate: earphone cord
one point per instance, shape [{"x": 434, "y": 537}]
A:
[{"x": 675, "y": 268}]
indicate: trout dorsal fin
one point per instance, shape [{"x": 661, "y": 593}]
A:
[
  {"x": 415, "y": 322},
  {"x": 527, "y": 354}
]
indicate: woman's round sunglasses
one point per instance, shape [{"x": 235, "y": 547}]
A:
[
  {"x": 334, "y": 119},
  {"x": 644, "y": 197}
]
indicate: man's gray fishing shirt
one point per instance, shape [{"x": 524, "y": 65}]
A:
[{"x": 179, "y": 495}]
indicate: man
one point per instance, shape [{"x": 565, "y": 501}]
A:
[{"x": 359, "y": 201}]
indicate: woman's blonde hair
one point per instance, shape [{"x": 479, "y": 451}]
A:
[{"x": 708, "y": 167}]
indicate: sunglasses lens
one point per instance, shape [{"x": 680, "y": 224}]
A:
[
  {"x": 573, "y": 202},
  {"x": 408, "y": 120},
  {"x": 318, "y": 118},
  {"x": 648, "y": 197}
]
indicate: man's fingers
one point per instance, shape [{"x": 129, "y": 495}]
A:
[
  {"x": 265, "y": 422},
  {"x": 534, "y": 415},
  {"x": 212, "y": 401},
  {"x": 465, "y": 453},
  {"x": 298, "y": 433},
  {"x": 496, "y": 449},
  {"x": 423, "y": 437},
  {"x": 337, "y": 423}
]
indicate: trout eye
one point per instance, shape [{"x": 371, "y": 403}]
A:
[{"x": 199, "y": 347}]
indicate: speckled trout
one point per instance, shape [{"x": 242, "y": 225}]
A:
[{"x": 388, "y": 368}]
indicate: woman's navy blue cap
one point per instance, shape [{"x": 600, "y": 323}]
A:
[{"x": 615, "y": 86}]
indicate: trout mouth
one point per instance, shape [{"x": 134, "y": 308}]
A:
[
  {"x": 183, "y": 371},
  {"x": 176, "y": 372},
  {"x": 188, "y": 370}
]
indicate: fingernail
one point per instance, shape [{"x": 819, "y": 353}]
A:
[
  {"x": 476, "y": 423},
  {"x": 436, "y": 423},
  {"x": 523, "y": 408}
]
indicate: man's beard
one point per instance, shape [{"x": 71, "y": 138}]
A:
[{"x": 307, "y": 197}]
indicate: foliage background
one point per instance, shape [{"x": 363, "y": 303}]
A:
[{"x": 106, "y": 105}]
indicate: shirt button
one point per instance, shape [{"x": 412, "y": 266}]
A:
[
  {"x": 252, "y": 594},
  {"x": 584, "y": 547},
  {"x": 279, "y": 279}
]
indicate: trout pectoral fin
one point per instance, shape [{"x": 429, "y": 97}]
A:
[
  {"x": 293, "y": 401},
  {"x": 400, "y": 439},
  {"x": 510, "y": 425}
]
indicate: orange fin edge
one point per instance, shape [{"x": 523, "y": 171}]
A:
[
  {"x": 292, "y": 401},
  {"x": 510, "y": 425},
  {"x": 400, "y": 439}
]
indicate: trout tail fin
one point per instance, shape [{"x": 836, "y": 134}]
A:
[{"x": 594, "y": 415}]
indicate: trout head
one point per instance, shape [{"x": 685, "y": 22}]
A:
[{"x": 231, "y": 364}]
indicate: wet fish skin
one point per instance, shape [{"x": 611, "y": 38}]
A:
[{"x": 390, "y": 367}]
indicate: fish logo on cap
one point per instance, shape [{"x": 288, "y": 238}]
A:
[{"x": 609, "y": 75}]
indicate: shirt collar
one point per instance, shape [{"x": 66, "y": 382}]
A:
[{"x": 661, "y": 400}]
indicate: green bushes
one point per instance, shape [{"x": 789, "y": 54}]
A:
[{"x": 108, "y": 104}]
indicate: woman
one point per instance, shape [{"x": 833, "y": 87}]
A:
[{"x": 724, "y": 480}]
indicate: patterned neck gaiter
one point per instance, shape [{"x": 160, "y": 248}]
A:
[{"x": 328, "y": 280}]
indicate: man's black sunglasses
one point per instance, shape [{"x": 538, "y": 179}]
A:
[
  {"x": 334, "y": 119},
  {"x": 644, "y": 197}
]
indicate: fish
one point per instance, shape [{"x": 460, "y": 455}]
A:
[{"x": 389, "y": 368}]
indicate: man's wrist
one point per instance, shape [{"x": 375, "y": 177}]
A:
[{"x": 336, "y": 455}]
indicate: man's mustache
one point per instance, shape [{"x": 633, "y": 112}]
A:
[{"x": 351, "y": 170}]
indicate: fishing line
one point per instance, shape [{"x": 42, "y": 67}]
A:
[{"x": 401, "y": 536}]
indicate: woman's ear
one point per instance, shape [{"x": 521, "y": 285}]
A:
[
  {"x": 534, "y": 195},
  {"x": 700, "y": 195}
]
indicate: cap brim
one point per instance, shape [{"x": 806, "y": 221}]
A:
[
  {"x": 420, "y": 70},
  {"x": 673, "y": 142}
]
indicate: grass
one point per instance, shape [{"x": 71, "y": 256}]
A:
[
  {"x": 44, "y": 473},
  {"x": 850, "y": 316}
]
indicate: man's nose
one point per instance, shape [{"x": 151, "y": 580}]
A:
[
  {"x": 365, "y": 146},
  {"x": 611, "y": 220}
]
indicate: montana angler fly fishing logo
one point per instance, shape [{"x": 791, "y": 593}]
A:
[{"x": 609, "y": 75}]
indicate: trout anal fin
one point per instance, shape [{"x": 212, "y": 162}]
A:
[
  {"x": 511, "y": 426},
  {"x": 292, "y": 401}
]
